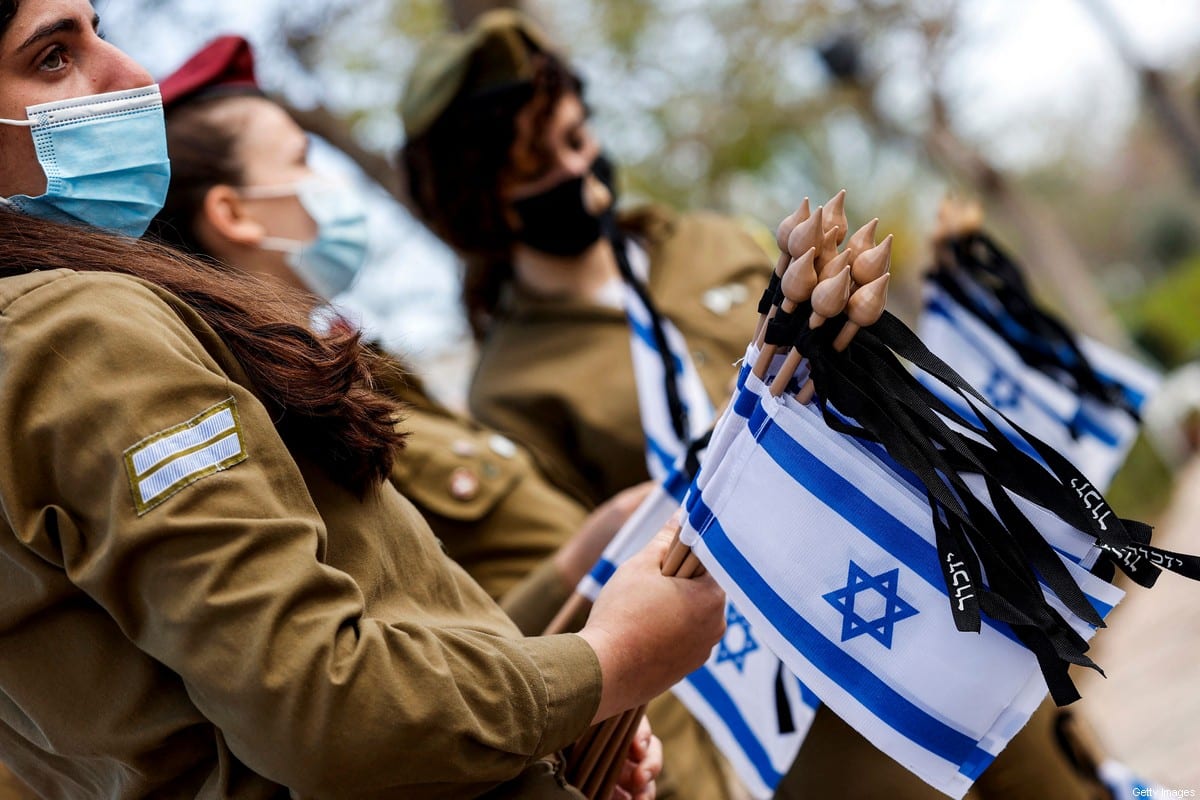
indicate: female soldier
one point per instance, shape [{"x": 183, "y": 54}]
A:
[
  {"x": 206, "y": 587},
  {"x": 504, "y": 168},
  {"x": 243, "y": 194}
]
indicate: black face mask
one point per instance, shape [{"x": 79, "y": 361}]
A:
[{"x": 556, "y": 221}]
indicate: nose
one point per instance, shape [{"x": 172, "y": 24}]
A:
[{"x": 118, "y": 71}]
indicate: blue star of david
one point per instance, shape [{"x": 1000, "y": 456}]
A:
[
  {"x": 894, "y": 610},
  {"x": 1002, "y": 390},
  {"x": 725, "y": 650}
]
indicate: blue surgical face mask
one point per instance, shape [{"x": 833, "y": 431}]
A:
[
  {"x": 105, "y": 159},
  {"x": 329, "y": 263}
]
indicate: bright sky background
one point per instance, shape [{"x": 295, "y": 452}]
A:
[{"x": 1035, "y": 79}]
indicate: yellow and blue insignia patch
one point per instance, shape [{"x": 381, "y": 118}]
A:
[{"x": 163, "y": 463}]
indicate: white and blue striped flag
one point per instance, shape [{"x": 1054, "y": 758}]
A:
[
  {"x": 663, "y": 445},
  {"x": 1093, "y": 436},
  {"x": 755, "y": 710},
  {"x": 828, "y": 549}
]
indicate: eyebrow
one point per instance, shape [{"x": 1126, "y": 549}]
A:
[{"x": 68, "y": 25}]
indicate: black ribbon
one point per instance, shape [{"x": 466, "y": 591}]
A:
[
  {"x": 675, "y": 406},
  {"x": 868, "y": 384},
  {"x": 973, "y": 269}
]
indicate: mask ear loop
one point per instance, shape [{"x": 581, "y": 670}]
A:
[
  {"x": 269, "y": 192},
  {"x": 20, "y": 123},
  {"x": 275, "y": 243}
]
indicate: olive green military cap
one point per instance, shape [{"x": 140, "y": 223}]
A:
[{"x": 497, "y": 50}]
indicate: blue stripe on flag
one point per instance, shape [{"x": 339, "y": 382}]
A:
[
  {"x": 880, "y": 454},
  {"x": 1083, "y": 421},
  {"x": 807, "y": 697},
  {"x": 976, "y": 763},
  {"x": 666, "y": 459},
  {"x": 1135, "y": 398},
  {"x": 884, "y": 702},
  {"x": 603, "y": 570},
  {"x": 704, "y": 682},
  {"x": 647, "y": 337},
  {"x": 871, "y": 519},
  {"x": 677, "y": 484}
]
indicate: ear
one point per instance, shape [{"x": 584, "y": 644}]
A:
[{"x": 224, "y": 215}]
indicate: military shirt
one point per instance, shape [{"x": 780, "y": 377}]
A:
[
  {"x": 557, "y": 373},
  {"x": 189, "y": 609},
  {"x": 484, "y": 497}
]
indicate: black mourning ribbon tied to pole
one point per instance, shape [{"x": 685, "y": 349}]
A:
[
  {"x": 983, "y": 279},
  {"x": 993, "y": 562},
  {"x": 675, "y": 405}
]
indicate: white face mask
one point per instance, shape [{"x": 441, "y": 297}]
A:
[{"x": 329, "y": 263}]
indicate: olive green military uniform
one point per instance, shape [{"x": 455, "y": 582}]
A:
[
  {"x": 557, "y": 374},
  {"x": 505, "y": 528},
  {"x": 11, "y": 788},
  {"x": 481, "y": 493},
  {"x": 191, "y": 610}
]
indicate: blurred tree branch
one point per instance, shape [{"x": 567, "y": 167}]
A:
[
  {"x": 1180, "y": 127},
  {"x": 1047, "y": 247}
]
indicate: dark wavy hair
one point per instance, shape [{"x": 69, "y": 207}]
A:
[
  {"x": 318, "y": 387},
  {"x": 8, "y": 10},
  {"x": 455, "y": 168}
]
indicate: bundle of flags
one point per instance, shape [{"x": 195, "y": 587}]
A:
[
  {"x": 1078, "y": 396},
  {"x": 923, "y": 563},
  {"x": 756, "y": 711}
]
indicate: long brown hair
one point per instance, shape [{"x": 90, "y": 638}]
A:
[
  {"x": 454, "y": 170},
  {"x": 318, "y": 388}
]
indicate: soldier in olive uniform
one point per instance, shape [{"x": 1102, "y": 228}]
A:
[
  {"x": 497, "y": 132},
  {"x": 481, "y": 493},
  {"x": 207, "y": 586},
  {"x": 555, "y": 372}
]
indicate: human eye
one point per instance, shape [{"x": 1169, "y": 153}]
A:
[{"x": 54, "y": 60}]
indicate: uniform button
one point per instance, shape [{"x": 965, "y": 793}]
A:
[
  {"x": 464, "y": 484},
  {"x": 502, "y": 446},
  {"x": 463, "y": 448}
]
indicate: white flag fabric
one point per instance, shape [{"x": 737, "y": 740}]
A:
[
  {"x": 830, "y": 554},
  {"x": 755, "y": 710},
  {"x": 1091, "y": 435},
  {"x": 663, "y": 445}
]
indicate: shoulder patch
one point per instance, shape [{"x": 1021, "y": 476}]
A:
[{"x": 163, "y": 463}]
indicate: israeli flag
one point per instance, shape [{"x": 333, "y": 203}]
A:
[
  {"x": 755, "y": 710},
  {"x": 1093, "y": 436},
  {"x": 663, "y": 444},
  {"x": 829, "y": 553}
]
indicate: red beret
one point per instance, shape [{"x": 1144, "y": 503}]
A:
[{"x": 224, "y": 66}]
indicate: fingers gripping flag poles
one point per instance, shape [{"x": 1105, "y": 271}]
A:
[
  {"x": 752, "y": 706},
  {"x": 861, "y": 534}
]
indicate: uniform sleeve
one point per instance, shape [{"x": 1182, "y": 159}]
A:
[{"x": 162, "y": 489}]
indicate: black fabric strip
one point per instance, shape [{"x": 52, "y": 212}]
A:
[
  {"x": 888, "y": 405},
  {"x": 783, "y": 706},
  {"x": 976, "y": 262},
  {"x": 675, "y": 406},
  {"x": 768, "y": 296}
]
